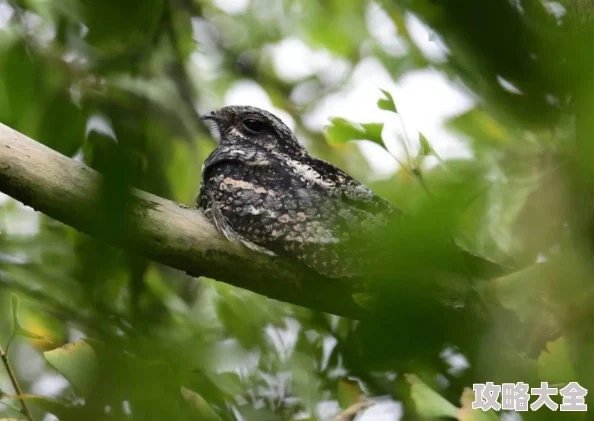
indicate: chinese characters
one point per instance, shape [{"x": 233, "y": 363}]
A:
[{"x": 516, "y": 397}]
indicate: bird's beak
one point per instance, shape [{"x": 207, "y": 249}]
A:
[
  {"x": 212, "y": 116},
  {"x": 209, "y": 116},
  {"x": 212, "y": 121}
]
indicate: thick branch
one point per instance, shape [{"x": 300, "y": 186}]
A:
[{"x": 164, "y": 231}]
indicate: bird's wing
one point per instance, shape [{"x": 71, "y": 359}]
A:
[
  {"x": 352, "y": 192},
  {"x": 347, "y": 212}
]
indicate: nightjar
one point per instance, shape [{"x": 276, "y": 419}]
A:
[{"x": 261, "y": 187}]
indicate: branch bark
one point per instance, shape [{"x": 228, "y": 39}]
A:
[{"x": 164, "y": 231}]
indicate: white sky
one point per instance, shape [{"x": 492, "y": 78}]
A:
[
  {"x": 232, "y": 6},
  {"x": 424, "y": 98}
]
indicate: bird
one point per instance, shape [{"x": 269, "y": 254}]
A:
[{"x": 261, "y": 187}]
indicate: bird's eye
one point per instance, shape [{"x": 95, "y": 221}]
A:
[{"x": 254, "y": 126}]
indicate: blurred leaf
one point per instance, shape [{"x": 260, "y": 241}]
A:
[
  {"x": 183, "y": 171},
  {"x": 161, "y": 92},
  {"x": 349, "y": 393},
  {"x": 352, "y": 411},
  {"x": 18, "y": 329},
  {"x": 365, "y": 300},
  {"x": 10, "y": 409},
  {"x": 50, "y": 331},
  {"x": 387, "y": 103},
  {"x": 554, "y": 363},
  {"x": 250, "y": 413},
  {"x": 231, "y": 312},
  {"x": 428, "y": 403},
  {"x": 480, "y": 127},
  {"x": 62, "y": 126},
  {"x": 203, "y": 409},
  {"x": 131, "y": 27},
  {"x": 466, "y": 413},
  {"x": 344, "y": 19},
  {"x": 14, "y": 309},
  {"x": 426, "y": 148},
  {"x": 305, "y": 380},
  {"x": 527, "y": 293},
  {"x": 23, "y": 87},
  {"x": 181, "y": 23},
  {"x": 341, "y": 131},
  {"x": 522, "y": 291},
  {"x": 60, "y": 408},
  {"x": 229, "y": 383},
  {"x": 77, "y": 362}
]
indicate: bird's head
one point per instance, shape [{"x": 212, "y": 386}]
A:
[{"x": 239, "y": 124}]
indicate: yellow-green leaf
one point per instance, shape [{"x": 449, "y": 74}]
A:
[
  {"x": 77, "y": 362},
  {"x": 466, "y": 413},
  {"x": 204, "y": 410},
  {"x": 60, "y": 408},
  {"x": 349, "y": 393},
  {"x": 17, "y": 328},
  {"x": 429, "y": 403},
  {"x": 554, "y": 363}
]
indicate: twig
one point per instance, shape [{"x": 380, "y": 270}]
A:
[
  {"x": 15, "y": 383},
  {"x": 351, "y": 412},
  {"x": 8, "y": 405}
]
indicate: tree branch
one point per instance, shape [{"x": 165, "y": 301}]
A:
[
  {"x": 15, "y": 384},
  {"x": 164, "y": 231}
]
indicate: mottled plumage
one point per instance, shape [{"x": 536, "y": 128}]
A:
[{"x": 261, "y": 187}]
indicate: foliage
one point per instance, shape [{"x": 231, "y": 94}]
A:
[{"x": 100, "y": 333}]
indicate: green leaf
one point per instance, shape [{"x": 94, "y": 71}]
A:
[
  {"x": 77, "y": 362},
  {"x": 306, "y": 383},
  {"x": 515, "y": 291},
  {"x": 341, "y": 131},
  {"x": 426, "y": 148},
  {"x": 17, "y": 328},
  {"x": 387, "y": 103},
  {"x": 62, "y": 125},
  {"x": 365, "y": 300},
  {"x": 23, "y": 88},
  {"x": 428, "y": 403},
  {"x": 480, "y": 127},
  {"x": 554, "y": 363},
  {"x": 466, "y": 413},
  {"x": 349, "y": 393},
  {"x": 14, "y": 308},
  {"x": 129, "y": 26},
  {"x": 204, "y": 410},
  {"x": 183, "y": 170},
  {"x": 60, "y": 408}
]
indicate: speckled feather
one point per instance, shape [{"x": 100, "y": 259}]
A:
[{"x": 263, "y": 189}]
